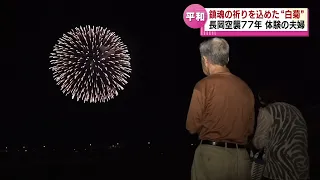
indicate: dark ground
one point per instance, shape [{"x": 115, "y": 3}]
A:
[
  {"x": 141, "y": 164},
  {"x": 159, "y": 162}
]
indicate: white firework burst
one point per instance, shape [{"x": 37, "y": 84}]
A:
[{"x": 91, "y": 63}]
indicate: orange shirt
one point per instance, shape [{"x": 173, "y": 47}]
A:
[{"x": 222, "y": 109}]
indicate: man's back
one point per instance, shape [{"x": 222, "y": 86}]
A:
[
  {"x": 222, "y": 113},
  {"x": 228, "y": 111}
]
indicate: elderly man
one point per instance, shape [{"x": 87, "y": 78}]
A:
[{"x": 221, "y": 112}]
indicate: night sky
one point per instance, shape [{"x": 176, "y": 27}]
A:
[{"x": 166, "y": 66}]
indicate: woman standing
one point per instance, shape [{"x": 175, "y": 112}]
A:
[{"x": 282, "y": 132}]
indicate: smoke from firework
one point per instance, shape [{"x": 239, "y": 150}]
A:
[{"x": 90, "y": 63}]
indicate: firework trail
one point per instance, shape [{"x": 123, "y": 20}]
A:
[{"x": 90, "y": 63}]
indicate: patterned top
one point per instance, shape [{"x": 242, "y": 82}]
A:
[{"x": 282, "y": 131}]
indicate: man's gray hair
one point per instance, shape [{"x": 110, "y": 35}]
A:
[{"x": 216, "y": 50}]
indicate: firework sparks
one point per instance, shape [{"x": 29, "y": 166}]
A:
[{"x": 90, "y": 63}]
